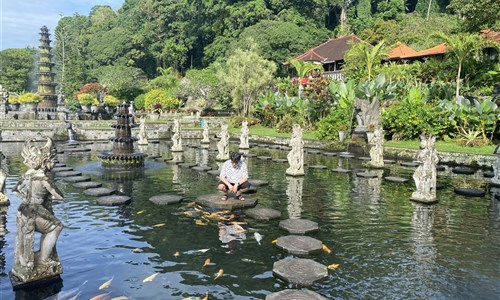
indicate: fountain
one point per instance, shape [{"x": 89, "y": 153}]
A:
[
  {"x": 46, "y": 86},
  {"x": 122, "y": 156}
]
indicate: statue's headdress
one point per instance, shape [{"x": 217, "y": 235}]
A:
[{"x": 35, "y": 157}]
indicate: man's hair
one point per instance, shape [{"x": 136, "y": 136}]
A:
[{"x": 235, "y": 157}]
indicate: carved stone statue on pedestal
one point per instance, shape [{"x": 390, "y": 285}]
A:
[
  {"x": 296, "y": 155},
  {"x": 495, "y": 181},
  {"x": 4, "y": 200},
  {"x": 425, "y": 175},
  {"x": 377, "y": 149},
  {"x": 244, "y": 135},
  {"x": 143, "y": 137},
  {"x": 176, "y": 137},
  {"x": 36, "y": 189},
  {"x": 206, "y": 139},
  {"x": 223, "y": 144}
]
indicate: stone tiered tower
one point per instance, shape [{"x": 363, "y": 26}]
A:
[
  {"x": 122, "y": 156},
  {"x": 46, "y": 87}
]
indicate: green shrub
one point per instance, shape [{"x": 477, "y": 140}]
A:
[
  {"x": 111, "y": 101},
  {"x": 286, "y": 124},
  {"x": 237, "y": 120},
  {"x": 338, "y": 119},
  {"x": 139, "y": 102},
  {"x": 87, "y": 99},
  {"x": 161, "y": 99},
  {"x": 29, "y": 98},
  {"x": 13, "y": 99}
]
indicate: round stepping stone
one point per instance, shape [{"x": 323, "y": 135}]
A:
[
  {"x": 396, "y": 179},
  {"x": 495, "y": 184},
  {"x": 214, "y": 172},
  {"x": 250, "y": 191},
  {"x": 366, "y": 175},
  {"x": 440, "y": 168},
  {"x": 214, "y": 201},
  {"x": 280, "y": 160},
  {"x": 263, "y": 213},
  {"x": 317, "y": 167},
  {"x": 264, "y": 157},
  {"x": 463, "y": 170},
  {"x": 87, "y": 184},
  {"x": 300, "y": 271},
  {"x": 330, "y": 153},
  {"x": 488, "y": 174},
  {"x": 76, "y": 179},
  {"x": 300, "y": 245},
  {"x": 61, "y": 169},
  {"x": 114, "y": 200},
  {"x": 469, "y": 192},
  {"x": 299, "y": 226},
  {"x": 340, "y": 170},
  {"x": 409, "y": 164},
  {"x": 78, "y": 150},
  {"x": 202, "y": 168},
  {"x": 295, "y": 295},
  {"x": 249, "y": 155},
  {"x": 100, "y": 191},
  {"x": 59, "y": 165},
  {"x": 364, "y": 158},
  {"x": 187, "y": 165},
  {"x": 258, "y": 182},
  {"x": 154, "y": 141},
  {"x": 389, "y": 161},
  {"x": 68, "y": 173},
  {"x": 314, "y": 151},
  {"x": 346, "y": 155},
  {"x": 153, "y": 156},
  {"x": 174, "y": 162},
  {"x": 166, "y": 199}
]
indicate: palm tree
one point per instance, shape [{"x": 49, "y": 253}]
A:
[
  {"x": 363, "y": 55},
  {"x": 461, "y": 46},
  {"x": 303, "y": 69}
]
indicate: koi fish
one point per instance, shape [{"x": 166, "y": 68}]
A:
[
  {"x": 75, "y": 292},
  {"x": 150, "y": 278},
  {"x": 247, "y": 260},
  {"x": 333, "y": 266},
  {"x": 207, "y": 261},
  {"x": 100, "y": 296},
  {"x": 258, "y": 237},
  {"x": 238, "y": 223},
  {"x": 137, "y": 250},
  {"x": 200, "y": 222},
  {"x": 205, "y": 298},
  {"x": 140, "y": 212},
  {"x": 191, "y": 204},
  {"x": 326, "y": 249},
  {"x": 274, "y": 241},
  {"x": 159, "y": 225},
  {"x": 120, "y": 298},
  {"x": 201, "y": 250},
  {"x": 106, "y": 284},
  {"x": 219, "y": 274},
  {"x": 176, "y": 254}
]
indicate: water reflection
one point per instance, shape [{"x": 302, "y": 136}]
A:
[
  {"x": 369, "y": 189},
  {"x": 3, "y": 232},
  {"x": 49, "y": 289},
  {"x": 294, "y": 193},
  {"x": 424, "y": 250}
]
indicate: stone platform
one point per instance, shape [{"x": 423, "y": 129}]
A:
[
  {"x": 114, "y": 200},
  {"x": 295, "y": 295},
  {"x": 214, "y": 201},
  {"x": 299, "y": 271},
  {"x": 263, "y": 213},
  {"x": 299, "y": 245},
  {"x": 299, "y": 226},
  {"x": 166, "y": 199}
]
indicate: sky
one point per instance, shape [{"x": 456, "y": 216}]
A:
[{"x": 21, "y": 20}]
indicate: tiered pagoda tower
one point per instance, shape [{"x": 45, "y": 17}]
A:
[
  {"x": 122, "y": 156},
  {"x": 46, "y": 87}
]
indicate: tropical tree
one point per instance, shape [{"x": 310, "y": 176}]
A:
[
  {"x": 461, "y": 46},
  {"x": 362, "y": 59},
  {"x": 17, "y": 68},
  {"x": 303, "y": 68}
]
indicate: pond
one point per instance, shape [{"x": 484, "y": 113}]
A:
[{"x": 386, "y": 245}]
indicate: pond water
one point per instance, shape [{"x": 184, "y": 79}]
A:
[{"x": 387, "y": 246}]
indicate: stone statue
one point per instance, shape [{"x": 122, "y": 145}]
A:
[
  {"x": 36, "y": 189},
  {"x": 4, "y": 200},
  {"x": 368, "y": 114},
  {"x": 244, "y": 135},
  {"x": 425, "y": 174},
  {"x": 223, "y": 144},
  {"x": 377, "y": 149},
  {"x": 4, "y": 95},
  {"x": 495, "y": 181},
  {"x": 176, "y": 137},
  {"x": 143, "y": 137},
  {"x": 294, "y": 193},
  {"x": 296, "y": 154},
  {"x": 206, "y": 139}
]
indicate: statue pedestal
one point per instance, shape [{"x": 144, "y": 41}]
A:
[
  {"x": 295, "y": 172},
  {"x": 19, "y": 285}
]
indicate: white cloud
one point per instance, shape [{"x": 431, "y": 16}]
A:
[{"x": 21, "y": 20}]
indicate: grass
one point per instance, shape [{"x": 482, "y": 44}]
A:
[
  {"x": 265, "y": 131},
  {"x": 444, "y": 147}
]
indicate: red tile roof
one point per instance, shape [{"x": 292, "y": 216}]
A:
[
  {"x": 331, "y": 50},
  {"x": 436, "y": 50},
  {"x": 401, "y": 50},
  {"x": 490, "y": 35}
]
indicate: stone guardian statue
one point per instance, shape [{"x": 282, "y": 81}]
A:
[
  {"x": 377, "y": 149},
  {"x": 205, "y": 139},
  {"x": 4, "y": 200},
  {"x": 223, "y": 144},
  {"x": 143, "y": 137},
  {"x": 296, "y": 155},
  {"x": 425, "y": 175},
  {"x": 244, "y": 135},
  {"x": 176, "y": 137},
  {"x": 36, "y": 190}
]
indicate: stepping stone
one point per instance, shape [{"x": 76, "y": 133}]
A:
[
  {"x": 488, "y": 174},
  {"x": 214, "y": 172},
  {"x": 59, "y": 165},
  {"x": 61, "y": 169},
  {"x": 469, "y": 192},
  {"x": 250, "y": 191},
  {"x": 463, "y": 170},
  {"x": 173, "y": 162},
  {"x": 346, "y": 155},
  {"x": 153, "y": 156},
  {"x": 76, "y": 178},
  {"x": 367, "y": 175},
  {"x": 329, "y": 153},
  {"x": 495, "y": 184},
  {"x": 202, "y": 168},
  {"x": 214, "y": 201},
  {"x": 263, "y": 213},
  {"x": 258, "y": 182},
  {"x": 364, "y": 158},
  {"x": 114, "y": 200},
  {"x": 87, "y": 185},
  {"x": 286, "y": 148},
  {"x": 154, "y": 141},
  {"x": 68, "y": 173},
  {"x": 340, "y": 170},
  {"x": 274, "y": 146},
  {"x": 300, "y": 271},
  {"x": 317, "y": 167},
  {"x": 440, "y": 168},
  {"x": 409, "y": 164},
  {"x": 166, "y": 199},
  {"x": 396, "y": 179},
  {"x": 299, "y": 226},
  {"x": 78, "y": 150},
  {"x": 314, "y": 151},
  {"x": 187, "y": 165},
  {"x": 295, "y": 295},
  {"x": 249, "y": 155},
  {"x": 100, "y": 191},
  {"x": 300, "y": 245},
  {"x": 389, "y": 161},
  {"x": 264, "y": 157},
  {"x": 280, "y": 160}
]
